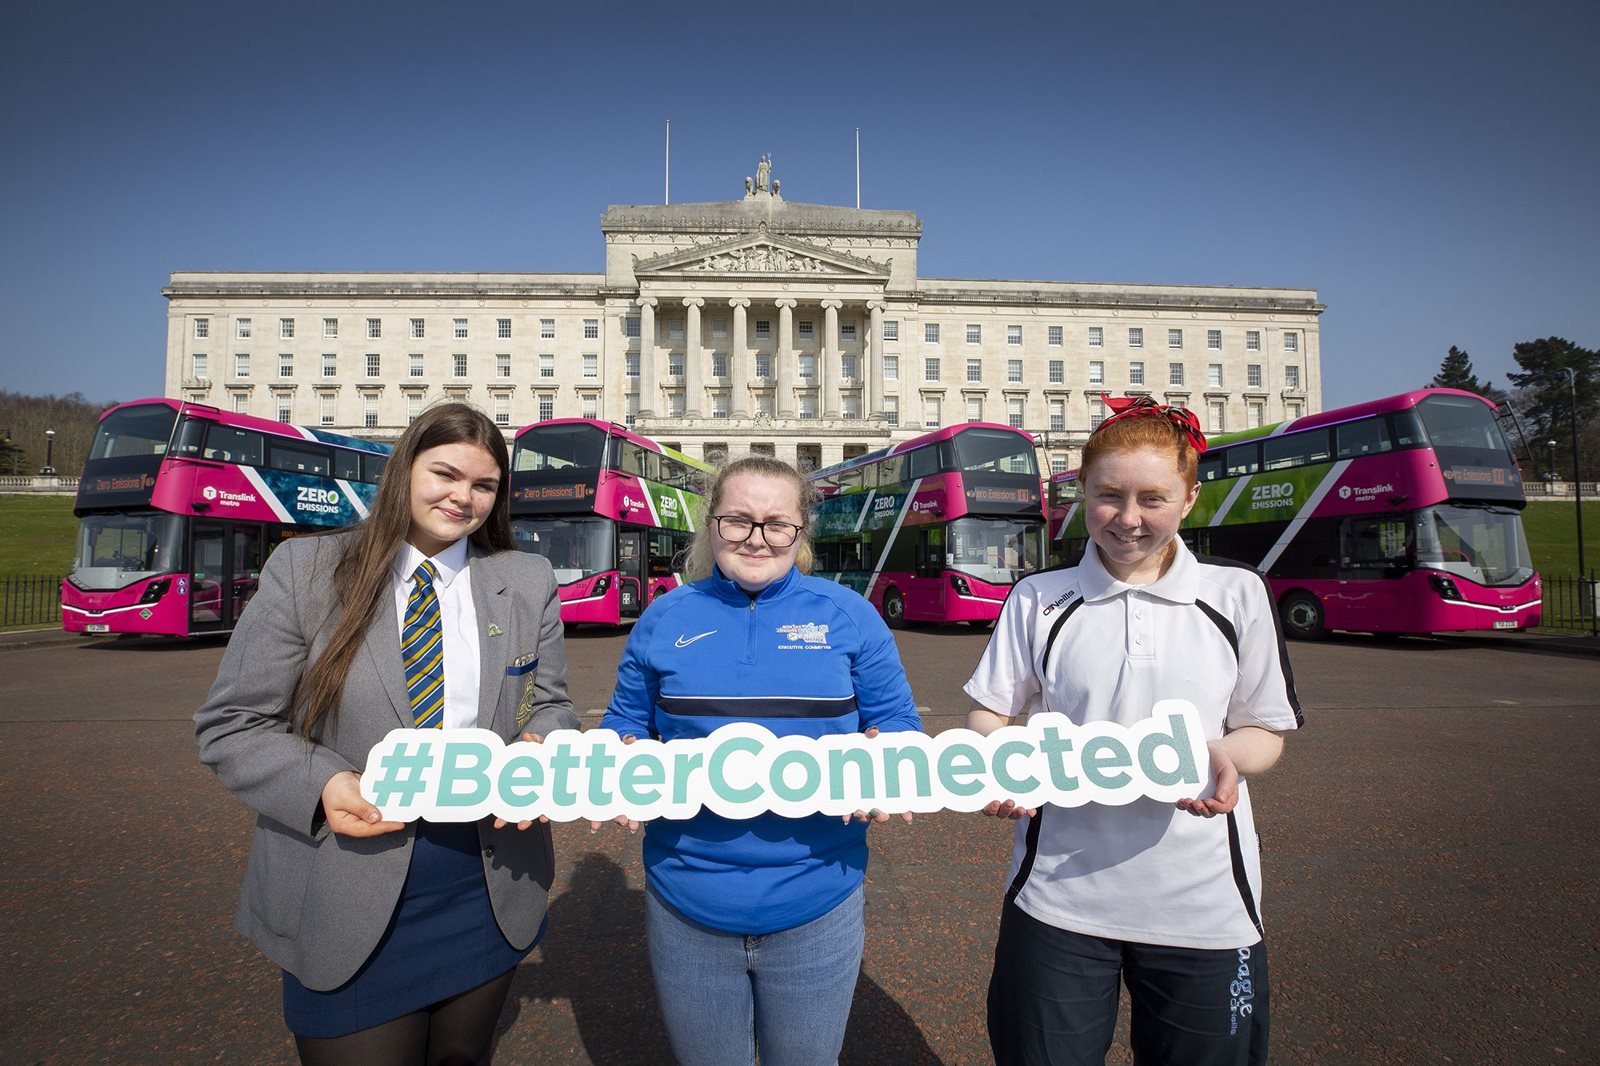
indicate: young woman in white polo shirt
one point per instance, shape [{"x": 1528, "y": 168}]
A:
[{"x": 1162, "y": 897}]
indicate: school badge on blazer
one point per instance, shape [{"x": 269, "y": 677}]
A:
[{"x": 524, "y": 665}]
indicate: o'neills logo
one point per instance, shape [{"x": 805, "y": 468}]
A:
[
  {"x": 1052, "y": 607},
  {"x": 1364, "y": 493}
]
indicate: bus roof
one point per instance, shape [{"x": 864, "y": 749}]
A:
[
  {"x": 616, "y": 429},
  {"x": 1400, "y": 402},
  {"x": 260, "y": 425},
  {"x": 942, "y": 433}
]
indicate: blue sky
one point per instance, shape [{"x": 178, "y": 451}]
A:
[{"x": 1430, "y": 169}]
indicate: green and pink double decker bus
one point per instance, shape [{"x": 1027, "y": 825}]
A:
[
  {"x": 934, "y": 529},
  {"x": 1402, "y": 515},
  {"x": 610, "y": 509},
  {"x": 180, "y": 504}
]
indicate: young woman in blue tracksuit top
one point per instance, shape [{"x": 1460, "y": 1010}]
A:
[{"x": 756, "y": 926}]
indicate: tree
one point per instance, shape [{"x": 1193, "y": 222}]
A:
[
  {"x": 1456, "y": 372},
  {"x": 1545, "y": 393},
  {"x": 12, "y": 459}
]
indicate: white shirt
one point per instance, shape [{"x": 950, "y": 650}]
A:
[
  {"x": 457, "y": 617},
  {"x": 1143, "y": 872}
]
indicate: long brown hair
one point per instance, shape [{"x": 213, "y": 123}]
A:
[
  {"x": 361, "y": 577},
  {"x": 701, "y": 557}
]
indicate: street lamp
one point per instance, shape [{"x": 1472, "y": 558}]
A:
[
  {"x": 49, "y": 452},
  {"x": 1552, "y": 476},
  {"x": 1577, "y": 474}
]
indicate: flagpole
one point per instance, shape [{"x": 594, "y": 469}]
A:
[
  {"x": 858, "y": 168},
  {"x": 667, "y": 194}
]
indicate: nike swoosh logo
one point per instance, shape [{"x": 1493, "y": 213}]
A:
[{"x": 684, "y": 642}]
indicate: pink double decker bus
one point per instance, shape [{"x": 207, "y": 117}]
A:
[
  {"x": 180, "y": 504},
  {"x": 1403, "y": 515},
  {"x": 935, "y": 529},
  {"x": 610, "y": 509}
]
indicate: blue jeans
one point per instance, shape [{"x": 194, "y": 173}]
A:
[{"x": 723, "y": 995}]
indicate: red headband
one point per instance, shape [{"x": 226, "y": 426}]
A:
[{"x": 1139, "y": 406}]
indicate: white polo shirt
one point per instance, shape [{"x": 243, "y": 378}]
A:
[
  {"x": 1082, "y": 643},
  {"x": 458, "y": 620}
]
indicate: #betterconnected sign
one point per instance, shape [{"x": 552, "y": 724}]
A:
[{"x": 742, "y": 769}]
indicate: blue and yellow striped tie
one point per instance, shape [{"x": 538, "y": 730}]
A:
[{"x": 422, "y": 650}]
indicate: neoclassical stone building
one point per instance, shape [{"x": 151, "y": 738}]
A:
[{"x": 800, "y": 330}]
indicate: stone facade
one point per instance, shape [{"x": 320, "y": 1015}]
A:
[{"x": 800, "y": 330}]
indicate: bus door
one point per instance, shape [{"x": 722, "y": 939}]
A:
[
  {"x": 225, "y": 569},
  {"x": 928, "y": 584},
  {"x": 630, "y": 572},
  {"x": 1374, "y": 554}
]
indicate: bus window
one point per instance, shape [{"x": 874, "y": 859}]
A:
[
  {"x": 891, "y": 471},
  {"x": 346, "y": 464},
  {"x": 1406, "y": 427},
  {"x": 924, "y": 462},
  {"x": 298, "y": 459},
  {"x": 372, "y": 467},
  {"x": 140, "y": 430},
  {"x": 230, "y": 445},
  {"x": 191, "y": 437},
  {"x": 633, "y": 459},
  {"x": 1297, "y": 449},
  {"x": 1375, "y": 543},
  {"x": 1366, "y": 437},
  {"x": 1211, "y": 467},
  {"x": 1243, "y": 459}
]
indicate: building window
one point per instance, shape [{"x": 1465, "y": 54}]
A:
[
  {"x": 502, "y": 365},
  {"x": 808, "y": 367},
  {"x": 675, "y": 329},
  {"x": 1014, "y": 371},
  {"x": 891, "y": 368},
  {"x": 847, "y": 332},
  {"x": 974, "y": 408},
  {"x": 1174, "y": 338},
  {"x": 1174, "y": 373},
  {"x": 591, "y": 329},
  {"x": 763, "y": 329},
  {"x": 591, "y": 366},
  {"x": 285, "y": 404},
  {"x": 764, "y": 404},
  {"x": 590, "y": 406},
  {"x": 974, "y": 333},
  {"x": 1058, "y": 464},
  {"x": 413, "y": 406},
  {"x": 1214, "y": 375},
  {"x": 418, "y": 329},
  {"x": 369, "y": 412},
  {"x": 1257, "y": 412},
  {"x": 285, "y": 366},
  {"x": 1014, "y": 412},
  {"x": 502, "y": 328},
  {"x": 1097, "y": 337},
  {"x": 241, "y": 328},
  {"x": 719, "y": 329},
  {"x": 850, "y": 406},
  {"x": 891, "y": 329},
  {"x": 241, "y": 403},
  {"x": 414, "y": 365},
  {"x": 1058, "y": 372},
  {"x": 547, "y": 366},
  {"x": 374, "y": 365},
  {"x": 930, "y": 333},
  {"x": 891, "y": 410},
  {"x": 1097, "y": 372},
  {"x": 1214, "y": 340},
  {"x": 808, "y": 406},
  {"x": 1291, "y": 342},
  {"x": 502, "y": 409},
  {"x": 458, "y": 365},
  {"x": 325, "y": 409},
  {"x": 763, "y": 365},
  {"x": 804, "y": 329},
  {"x": 849, "y": 368},
  {"x": 930, "y": 368},
  {"x": 460, "y": 329},
  {"x": 374, "y": 329},
  {"x": 1053, "y": 335},
  {"x": 1097, "y": 413},
  {"x": 930, "y": 412},
  {"x": 719, "y": 364},
  {"x": 974, "y": 369},
  {"x": 630, "y": 326},
  {"x": 241, "y": 365},
  {"x": 630, "y": 365},
  {"x": 719, "y": 404},
  {"x": 1014, "y": 335},
  {"x": 198, "y": 363},
  {"x": 1291, "y": 377},
  {"x": 1136, "y": 372},
  {"x": 1215, "y": 410},
  {"x": 630, "y": 411},
  {"x": 286, "y": 329},
  {"x": 1252, "y": 376},
  {"x": 202, "y": 328},
  {"x": 547, "y": 406},
  {"x": 675, "y": 364},
  {"x": 1292, "y": 410},
  {"x": 1058, "y": 416},
  {"x": 1252, "y": 340},
  {"x": 1135, "y": 336}
]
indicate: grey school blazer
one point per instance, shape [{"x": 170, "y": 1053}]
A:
[{"x": 316, "y": 903}]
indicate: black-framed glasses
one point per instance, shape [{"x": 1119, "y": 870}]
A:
[{"x": 736, "y": 529}]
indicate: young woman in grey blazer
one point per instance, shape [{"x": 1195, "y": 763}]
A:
[{"x": 398, "y": 941}]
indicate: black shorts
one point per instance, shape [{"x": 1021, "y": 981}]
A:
[{"x": 1054, "y": 993}]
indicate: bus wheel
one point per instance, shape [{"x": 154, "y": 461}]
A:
[
  {"x": 894, "y": 609},
  {"x": 980, "y": 623},
  {"x": 1302, "y": 616}
]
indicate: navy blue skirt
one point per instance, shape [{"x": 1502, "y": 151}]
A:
[{"x": 442, "y": 940}]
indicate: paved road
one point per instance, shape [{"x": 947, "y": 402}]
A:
[{"x": 1431, "y": 869}]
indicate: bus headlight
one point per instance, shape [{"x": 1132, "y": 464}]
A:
[
  {"x": 602, "y": 585},
  {"x": 959, "y": 583},
  {"x": 155, "y": 590},
  {"x": 1445, "y": 587}
]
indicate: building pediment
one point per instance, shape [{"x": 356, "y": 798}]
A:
[{"x": 762, "y": 255}]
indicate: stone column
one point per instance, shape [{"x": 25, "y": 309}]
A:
[
  {"x": 872, "y": 361},
  {"x": 785, "y": 367},
  {"x": 649, "y": 391},
  {"x": 828, "y": 360},
  {"x": 739, "y": 361},
  {"x": 693, "y": 384}
]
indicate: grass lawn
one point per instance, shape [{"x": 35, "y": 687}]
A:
[
  {"x": 36, "y": 535},
  {"x": 1552, "y": 530}
]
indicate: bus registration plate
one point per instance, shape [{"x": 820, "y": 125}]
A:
[
  {"x": 1509, "y": 624},
  {"x": 97, "y": 627}
]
